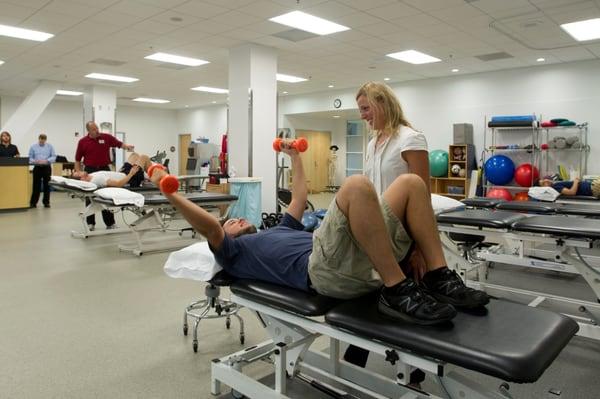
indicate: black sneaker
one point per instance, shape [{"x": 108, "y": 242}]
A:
[
  {"x": 446, "y": 286},
  {"x": 408, "y": 302}
]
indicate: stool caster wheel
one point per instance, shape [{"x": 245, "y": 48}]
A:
[
  {"x": 237, "y": 395},
  {"x": 195, "y": 347},
  {"x": 242, "y": 339},
  {"x": 185, "y": 330}
]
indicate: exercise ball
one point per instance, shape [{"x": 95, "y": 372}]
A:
[
  {"x": 521, "y": 196},
  {"x": 309, "y": 220},
  {"x": 438, "y": 163},
  {"x": 500, "y": 193},
  {"x": 526, "y": 174},
  {"x": 320, "y": 213},
  {"x": 499, "y": 169}
]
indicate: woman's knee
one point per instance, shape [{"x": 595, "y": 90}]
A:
[{"x": 357, "y": 184}]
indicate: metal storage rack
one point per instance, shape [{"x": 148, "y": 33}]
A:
[{"x": 581, "y": 132}]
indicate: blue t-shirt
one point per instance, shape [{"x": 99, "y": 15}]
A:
[
  {"x": 584, "y": 188},
  {"x": 278, "y": 255}
]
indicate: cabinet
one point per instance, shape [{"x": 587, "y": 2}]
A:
[
  {"x": 355, "y": 147},
  {"x": 456, "y": 183}
]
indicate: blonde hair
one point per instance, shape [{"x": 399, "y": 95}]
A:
[
  {"x": 9, "y": 136},
  {"x": 381, "y": 96}
]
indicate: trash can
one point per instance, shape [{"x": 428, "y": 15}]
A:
[{"x": 249, "y": 203}]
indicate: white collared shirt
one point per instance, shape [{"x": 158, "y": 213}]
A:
[{"x": 383, "y": 166}]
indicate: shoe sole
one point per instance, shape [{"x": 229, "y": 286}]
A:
[
  {"x": 396, "y": 315},
  {"x": 445, "y": 299}
]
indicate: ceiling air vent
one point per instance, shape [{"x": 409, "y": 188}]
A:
[
  {"x": 294, "y": 35},
  {"x": 494, "y": 56},
  {"x": 106, "y": 61}
]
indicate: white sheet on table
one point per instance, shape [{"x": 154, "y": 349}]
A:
[
  {"x": 80, "y": 184},
  {"x": 543, "y": 193},
  {"x": 195, "y": 262},
  {"x": 121, "y": 196},
  {"x": 444, "y": 204}
]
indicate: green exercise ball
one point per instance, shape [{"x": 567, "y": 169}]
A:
[{"x": 438, "y": 163}]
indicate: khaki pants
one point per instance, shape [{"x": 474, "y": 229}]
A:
[{"x": 338, "y": 267}]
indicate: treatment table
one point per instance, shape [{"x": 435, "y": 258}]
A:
[
  {"x": 474, "y": 238},
  {"x": 491, "y": 341}
]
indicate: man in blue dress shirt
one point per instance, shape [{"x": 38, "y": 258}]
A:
[{"x": 41, "y": 155}]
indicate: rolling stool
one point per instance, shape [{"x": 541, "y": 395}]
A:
[{"x": 221, "y": 307}]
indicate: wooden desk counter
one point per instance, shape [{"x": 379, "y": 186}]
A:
[{"x": 14, "y": 183}]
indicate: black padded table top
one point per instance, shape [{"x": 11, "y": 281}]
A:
[
  {"x": 559, "y": 225},
  {"x": 510, "y": 341},
  {"x": 577, "y": 197},
  {"x": 482, "y": 202},
  {"x": 584, "y": 209},
  {"x": 202, "y": 198},
  {"x": 545, "y": 208},
  {"x": 284, "y": 298},
  {"x": 481, "y": 218}
]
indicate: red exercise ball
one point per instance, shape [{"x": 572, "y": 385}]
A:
[
  {"x": 521, "y": 196},
  {"x": 526, "y": 174},
  {"x": 500, "y": 193}
]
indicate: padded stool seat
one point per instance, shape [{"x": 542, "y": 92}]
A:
[
  {"x": 222, "y": 279},
  {"x": 284, "y": 298},
  {"x": 487, "y": 342}
]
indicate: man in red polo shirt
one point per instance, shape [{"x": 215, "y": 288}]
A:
[{"x": 94, "y": 149}]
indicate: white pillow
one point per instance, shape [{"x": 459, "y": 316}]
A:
[
  {"x": 543, "y": 193},
  {"x": 444, "y": 204},
  {"x": 121, "y": 196},
  {"x": 195, "y": 262}
]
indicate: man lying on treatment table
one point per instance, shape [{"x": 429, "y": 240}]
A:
[
  {"x": 131, "y": 173},
  {"x": 356, "y": 249}
]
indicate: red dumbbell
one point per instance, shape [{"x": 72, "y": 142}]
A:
[
  {"x": 300, "y": 144},
  {"x": 168, "y": 184}
]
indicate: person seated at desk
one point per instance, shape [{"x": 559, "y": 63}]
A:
[
  {"x": 355, "y": 251},
  {"x": 574, "y": 187},
  {"x": 7, "y": 149},
  {"x": 131, "y": 173}
]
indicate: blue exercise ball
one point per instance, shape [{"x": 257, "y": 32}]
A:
[
  {"x": 438, "y": 163},
  {"x": 499, "y": 169},
  {"x": 309, "y": 220}
]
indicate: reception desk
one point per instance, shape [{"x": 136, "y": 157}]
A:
[{"x": 14, "y": 183}]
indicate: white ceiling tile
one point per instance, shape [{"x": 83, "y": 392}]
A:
[
  {"x": 233, "y": 4},
  {"x": 50, "y": 22},
  {"x": 458, "y": 14},
  {"x": 242, "y": 34},
  {"x": 304, "y": 4},
  {"x": 172, "y": 18},
  {"x": 357, "y": 20},
  {"x": 573, "y": 54},
  {"x": 267, "y": 27},
  {"x": 72, "y": 9},
  {"x": 115, "y": 18},
  {"x": 264, "y": 9},
  {"x": 151, "y": 26},
  {"x": 13, "y": 14},
  {"x": 365, "y": 5},
  {"x": 210, "y": 26},
  {"x": 594, "y": 48},
  {"x": 236, "y": 19},
  {"x": 493, "y": 5},
  {"x": 430, "y": 5},
  {"x": 136, "y": 8},
  {"x": 166, "y": 4},
  {"x": 202, "y": 9},
  {"x": 381, "y": 28},
  {"x": 330, "y": 10},
  {"x": 393, "y": 11},
  {"x": 431, "y": 31}
]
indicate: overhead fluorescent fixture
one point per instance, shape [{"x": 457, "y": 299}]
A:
[
  {"x": 68, "y": 93},
  {"x": 336, "y": 116},
  {"x": 413, "y": 57},
  {"x": 214, "y": 102},
  {"x": 285, "y": 92},
  {"x": 583, "y": 30},
  {"x": 1, "y": 62},
  {"x": 331, "y": 86},
  {"x": 151, "y": 100},
  {"x": 27, "y": 34},
  {"x": 455, "y": 70},
  {"x": 386, "y": 79},
  {"x": 211, "y": 89},
  {"x": 176, "y": 59},
  {"x": 289, "y": 78},
  {"x": 541, "y": 59},
  {"x": 309, "y": 23},
  {"x": 115, "y": 78}
]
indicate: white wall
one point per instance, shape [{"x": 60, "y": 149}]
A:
[
  {"x": 434, "y": 105},
  {"x": 149, "y": 129}
]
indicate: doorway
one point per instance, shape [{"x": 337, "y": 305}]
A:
[
  {"x": 184, "y": 143},
  {"x": 315, "y": 159}
]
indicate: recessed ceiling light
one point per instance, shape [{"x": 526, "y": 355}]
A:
[
  {"x": 583, "y": 30},
  {"x": 541, "y": 59},
  {"x": 336, "y": 116},
  {"x": 309, "y": 23},
  {"x": 19, "y": 33},
  {"x": 285, "y": 92},
  {"x": 1, "y": 62},
  {"x": 210, "y": 89},
  {"x": 214, "y": 102},
  {"x": 151, "y": 100},
  {"x": 187, "y": 106},
  {"x": 68, "y": 93},
  {"x": 386, "y": 79},
  {"x": 115, "y": 78},
  {"x": 413, "y": 57},
  {"x": 331, "y": 86},
  {"x": 289, "y": 78},
  {"x": 455, "y": 70},
  {"x": 176, "y": 59}
]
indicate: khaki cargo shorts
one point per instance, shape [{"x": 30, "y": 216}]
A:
[{"x": 337, "y": 266}]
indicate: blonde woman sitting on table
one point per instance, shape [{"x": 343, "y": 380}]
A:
[{"x": 132, "y": 173}]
